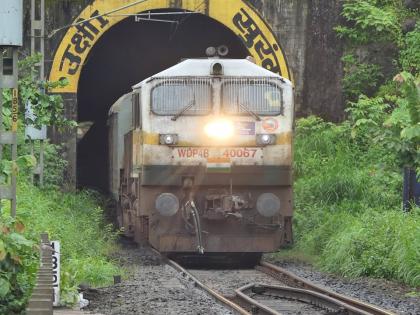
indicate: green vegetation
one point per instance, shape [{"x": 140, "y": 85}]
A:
[
  {"x": 348, "y": 204},
  {"x": 348, "y": 186},
  {"x": 75, "y": 219}
]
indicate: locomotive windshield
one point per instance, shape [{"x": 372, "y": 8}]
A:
[
  {"x": 172, "y": 96},
  {"x": 258, "y": 96}
]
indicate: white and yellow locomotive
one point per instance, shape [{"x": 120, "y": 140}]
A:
[{"x": 201, "y": 158}]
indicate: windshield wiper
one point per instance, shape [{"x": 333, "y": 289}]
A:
[
  {"x": 183, "y": 110},
  {"x": 246, "y": 108}
]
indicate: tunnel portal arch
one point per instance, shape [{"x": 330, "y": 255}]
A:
[
  {"x": 237, "y": 15},
  {"x": 92, "y": 53}
]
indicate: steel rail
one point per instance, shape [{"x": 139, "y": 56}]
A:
[
  {"x": 301, "y": 295},
  {"x": 296, "y": 281},
  {"x": 212, "y": 292}
]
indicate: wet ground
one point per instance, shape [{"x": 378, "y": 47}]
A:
[{"x": 386, "y": 294}]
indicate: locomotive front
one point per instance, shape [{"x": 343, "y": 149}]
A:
[{"x": 211, "y": 158}]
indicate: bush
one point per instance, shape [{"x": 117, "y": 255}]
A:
[
  {"x": 76, "y": 220},
  {"x": 369, "y": 21},
  {"x": 348, "y": 201},
  {"x": 380, "y": 244},
  {"x": 410, "y": 52},
  {"x": 17, "y": 266},
  {"x": 359, "y": 78}
]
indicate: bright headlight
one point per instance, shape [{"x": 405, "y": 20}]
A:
[
  {"x": 266, "y": 139},
  {"x": 219, "y": 129},
  {"x": 168, "y": 139}
]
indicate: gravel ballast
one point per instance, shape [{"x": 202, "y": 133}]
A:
[
  {"x": 385, "y": 294},
  {"x": 152, "y": 288}
]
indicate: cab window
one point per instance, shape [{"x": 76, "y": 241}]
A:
[{"x": 172, "y": 96}]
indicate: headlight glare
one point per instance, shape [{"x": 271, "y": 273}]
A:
[
  {"x": 219, "y": 129},
  {"x": 266, "y": 139},
  {"x": 168, "y": 139}
]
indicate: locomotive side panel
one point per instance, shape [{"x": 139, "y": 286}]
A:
[{"x": 119, "y": 123}]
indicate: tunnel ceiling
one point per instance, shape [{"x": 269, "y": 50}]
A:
[{"x": 125, "y": 55}]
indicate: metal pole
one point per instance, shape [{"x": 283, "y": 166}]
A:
[
  {"x": 13, "y": 181},
  {"x": 1, "y": 118},
  {"x": 41, "y": 163},
  {"x": 31, "y": 143},
  {"x": 11, "y": 17}
]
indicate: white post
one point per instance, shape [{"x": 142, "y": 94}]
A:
[{"x": 56, "y": 271}]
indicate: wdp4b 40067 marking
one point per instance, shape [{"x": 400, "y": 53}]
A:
[{"x": 216, "y": 152}]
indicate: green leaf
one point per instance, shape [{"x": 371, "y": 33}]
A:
[
  {"x": 4, "y": 287},
  {"x": 20, "y": 239},
  {"x": 411, "y": 132},
  {"x": 2, "y": 251},
  {"x": 26, "y": 161}
]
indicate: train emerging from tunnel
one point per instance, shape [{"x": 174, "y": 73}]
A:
[{"x": 201, "y": 158}]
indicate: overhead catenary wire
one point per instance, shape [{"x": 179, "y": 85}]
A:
[
  {"x": 95, "y": 17},
  {"x": 154, "y": 13}
]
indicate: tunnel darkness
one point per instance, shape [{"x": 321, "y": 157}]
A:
[{"x": 125, "y": 55}]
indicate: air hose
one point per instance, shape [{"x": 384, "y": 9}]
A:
[{"x": 190, "y": 205}]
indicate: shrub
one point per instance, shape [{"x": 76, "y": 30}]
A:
[
  {"x": 17, "y": 266},
  {"x": 369, "y": 21},
  {"x": 76, "y": 220},
  {"x": 348, "y": 200},
  {"x": 380, "y": 244},
  {"x": 410, "y": 51},
  {"x": 359, "y": 78}
]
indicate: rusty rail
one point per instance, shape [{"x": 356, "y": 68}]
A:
[
  {"x": 212, "y": 292},
  {"x": 41, "y": 301},
  {"x": 330, "y": 304},
  {"x": 298, "y": 282}
]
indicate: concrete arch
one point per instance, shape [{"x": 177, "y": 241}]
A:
[{"x": 237, "y": 15}]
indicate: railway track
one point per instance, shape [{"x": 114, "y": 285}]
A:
[{"x": 269, "y": 289}]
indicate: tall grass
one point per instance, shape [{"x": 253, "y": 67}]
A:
[
  {"x": 348, "y": 205},
  {"x": 76, "y": 220}
]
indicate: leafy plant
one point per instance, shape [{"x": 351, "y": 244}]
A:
[
  {"x": 359, "y": 78},
  {"x": 17, "y": 265},
  {"x": 410, "y": 51},
  {"x": 48, "y": 109},
  {"x": 404, "y": 122},
  {"x": 77, "y": 221},
  {"x": 347, "y": 198},
  {"x": 368, "y": 22}
]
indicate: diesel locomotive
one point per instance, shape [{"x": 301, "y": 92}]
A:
[{"x": 201, "y": 158}]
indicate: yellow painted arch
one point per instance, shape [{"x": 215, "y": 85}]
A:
[{"x": 239, "y": 16}]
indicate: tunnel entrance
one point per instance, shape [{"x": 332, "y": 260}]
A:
[{"x": 125, "y": 55}]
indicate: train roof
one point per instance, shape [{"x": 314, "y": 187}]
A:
[
  {"x": 116, "y": 107},
  {"x": 201, "y": 67}
]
